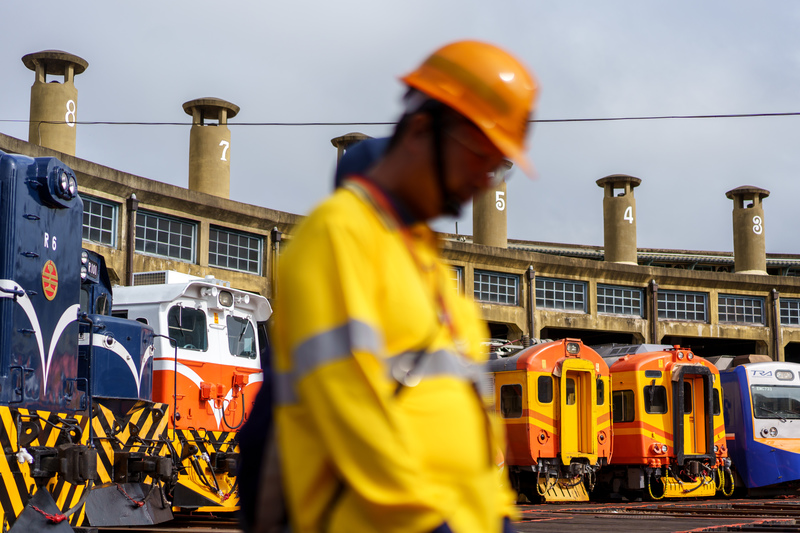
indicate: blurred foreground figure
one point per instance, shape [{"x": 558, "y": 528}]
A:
[{"x": 379, "y": 422}]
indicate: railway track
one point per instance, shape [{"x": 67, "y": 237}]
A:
[
  {"x": 657, "y": 517},
  {"x": 180, "y": 524},
  {"x": 714, "y": 516}
]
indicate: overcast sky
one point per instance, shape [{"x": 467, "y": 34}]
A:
[{"x": 304, "y": 61}]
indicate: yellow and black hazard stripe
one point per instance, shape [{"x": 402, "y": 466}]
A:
[
  {"x": 199, "y": 486},
  {"x": 141, "y": 429},
  {"x": 20, "y": 430}
]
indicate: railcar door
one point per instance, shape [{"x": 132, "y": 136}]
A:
[
  {"x": 694, "y": 415},
  {"x": 577, "y": 396}
]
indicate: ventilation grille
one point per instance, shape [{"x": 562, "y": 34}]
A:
[{"x": 149, "y": 278}]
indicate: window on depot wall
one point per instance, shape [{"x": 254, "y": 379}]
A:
[
  {"x": 496, "y": 287},
  {"x": 567, "y": 295},
  {"x": 616, "y": 300},
  {"x": 99, "y": 220},
  {"x": 165, "y": 236},
  {"x": 234, "y": 250},
  {"x": 683, "y": 306},
  {"x": 741, "y": 309}
]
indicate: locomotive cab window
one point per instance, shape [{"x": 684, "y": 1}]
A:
[
  {"x": 601, "y": 392},
  {"x": 570, "y": 391},
  {"x": 655, "y": 399},
  {"x": 622, "y": 405},
  {"x": 687, "y": 397},
  {"x": 241, "y": 337},
  {"x": 717, "y": 403},
  {"x": 544, "y": 386},
  {"x": 511, "y": 401},
  {"x": 188, "y": 327},
  {"x": 780, "y": 402}
]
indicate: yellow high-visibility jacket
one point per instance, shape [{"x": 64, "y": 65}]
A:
[{"x": 357, "y": 301}]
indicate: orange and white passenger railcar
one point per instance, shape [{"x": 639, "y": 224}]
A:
[
  {"x": 554, "y": 399},
  {"x": 207, "y": 367},
  {"x": 669, "y": 433}
]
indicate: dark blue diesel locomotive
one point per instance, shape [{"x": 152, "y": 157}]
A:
[
  {"x": 63, "y": 400},
  {"x": 762, "y": 424}
]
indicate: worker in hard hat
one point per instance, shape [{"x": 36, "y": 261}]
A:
[{"x": 379, "y": 421}]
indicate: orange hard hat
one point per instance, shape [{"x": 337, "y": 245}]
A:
[{"x": 486, "y": 85}]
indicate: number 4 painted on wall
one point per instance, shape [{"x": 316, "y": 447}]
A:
[{"x": 628, "y": 214}]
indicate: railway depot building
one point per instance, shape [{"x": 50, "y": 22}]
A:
[{"x": 730, "y": 303}]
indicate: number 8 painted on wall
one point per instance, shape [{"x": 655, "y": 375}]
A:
[{"x": 69, "y": 117}]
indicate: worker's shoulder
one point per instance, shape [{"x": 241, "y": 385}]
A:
[{"x": 344, "y": 210}]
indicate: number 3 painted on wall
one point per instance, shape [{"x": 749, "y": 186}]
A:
[
  {"x": 500, "y": 201},
  {"x": 757, "y": 227},
  {"x": 225, "y": 145}
]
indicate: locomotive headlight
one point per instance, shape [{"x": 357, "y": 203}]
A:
[
  {"x": 63, "y": 183},
  {"x": 225, "y": 299},
  {"x": 664, "y": 448},
  {"x": 72, "y": 188},
  {"x": 680, "y": 355},
  {"x": 573, "y": 348},
  {"x": 716, "y": 448},
  {"x": 784, "y": 375},
  {"x": 84, "y": 272},
  {"x": 773, "y": 432},
  {"x": 690, "y": 356},
  {"x": 84, "y": 257}
]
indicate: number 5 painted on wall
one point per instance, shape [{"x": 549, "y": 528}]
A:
[
  {"x": 500, "y": 201},
  {"x": 225, "y": 145}
]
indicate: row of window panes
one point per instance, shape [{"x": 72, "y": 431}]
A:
[
  {"x": 741, "y": 309},
  {"x": 655, "y": 402},
  {"x": 496, "y": 287},
  {"x": 511, "y": 395},
  {"x": 790, "y": 312},
  {"x": 173, "y": 237}
]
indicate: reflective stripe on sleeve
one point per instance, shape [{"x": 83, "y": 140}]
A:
[
  {"x": 327, "y": 347},
  {"x": 432, "y": 364}
]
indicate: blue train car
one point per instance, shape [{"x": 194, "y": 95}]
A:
[
  {"x": 47, "y": 462},
  {"x": 762, "y": 421},
  {"x": 63, "y": 400},
  {"x": 120, "y": 362}
]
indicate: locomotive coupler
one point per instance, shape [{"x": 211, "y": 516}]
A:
[{"x": 225, "y": 462}]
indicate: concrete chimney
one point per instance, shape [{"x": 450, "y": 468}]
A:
[
  {"x": 619, "y": 218},
  {"x": 54, "y": 105},
  {"x": 343, "y": 142},
  {"x": 210, "y": 145},
  {"x": 489, "y": 213},
  {"x": 749, "y": 249}
]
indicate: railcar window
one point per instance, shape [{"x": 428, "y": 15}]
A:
[
  {"x": 601, "y": 392},
  {"x": 652, "y": 373},
  {"x": 545, "y": 389},
  {"x": 622, "y": 405},
  {"x": 776, "y": 401},
  {"x": 687, "y": 398},
  {"x": 570, "y": 391},
  {"x": 511, "y": 401},
  {"x": 188, "y": 327},
  {"x": 241, "y": 337},
  {"x": 717, "y": 403},
  {"x": 655, "y": 399}
]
